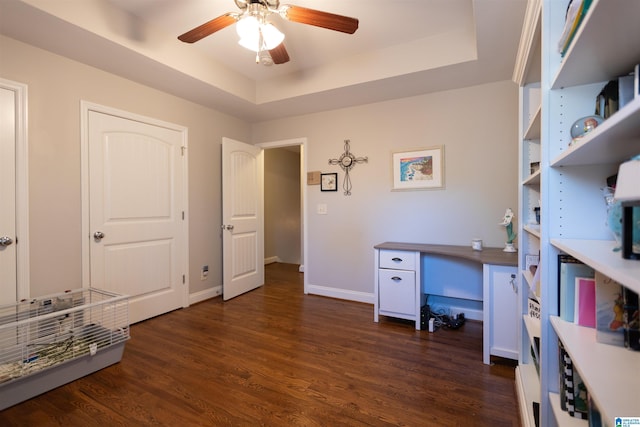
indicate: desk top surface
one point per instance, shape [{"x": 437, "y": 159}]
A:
[{"x": 494, "y": 256}]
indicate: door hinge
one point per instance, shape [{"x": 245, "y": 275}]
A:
[{"x": 183, "y": 279}]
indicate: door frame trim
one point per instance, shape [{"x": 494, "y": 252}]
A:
[
  {"x": 85, "y": 108},
  {"x": 302, "y": 142},
  {"x": 23, "y": 275}
]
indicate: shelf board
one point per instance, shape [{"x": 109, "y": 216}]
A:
[
  {"x": 562, "y": 417},
  {"x": 595, "y": 54},
  {"x": 533, "y": 327},
  {"x": 600, "y": 255},
  {"x": 528, "y": 277},
  {"x": 533, "y": 131},
  {"x": 617, "y": 139},
  {"x": 528, "y": 387},
  {"x": 608, "y": 371},
  {"x": 533, "y": 179},
  {"x": 532, "y": 229}
]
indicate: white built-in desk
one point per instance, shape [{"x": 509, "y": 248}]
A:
[{"x": 400, "y": 293}]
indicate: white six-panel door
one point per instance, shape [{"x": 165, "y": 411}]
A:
[{"x": 137, "y": 231}]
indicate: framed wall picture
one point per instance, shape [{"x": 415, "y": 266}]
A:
[
  {"x": 329, "y": 182},
  {"x": 421, "y": 169}
]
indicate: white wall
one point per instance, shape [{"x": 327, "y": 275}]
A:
[
  {"x": 477, "y": 127},
  {"x": 56, "y": 86}
]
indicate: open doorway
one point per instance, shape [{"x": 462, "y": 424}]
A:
[
  {"x": 284, "y": 195},
  {"x": 282, "y": 208}
]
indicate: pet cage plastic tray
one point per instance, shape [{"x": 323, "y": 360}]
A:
[{"x": 52, "y": 340}]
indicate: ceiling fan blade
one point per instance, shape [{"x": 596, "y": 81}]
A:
[
  {"x": 279, "y": 54},
  {"x": 326, "y": 20},
  {"x": 209, "y": 28}
]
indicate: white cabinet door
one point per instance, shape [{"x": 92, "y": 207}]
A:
[
  {"x": 500, "y": 312},
  {"x": 397, "y": 291}
]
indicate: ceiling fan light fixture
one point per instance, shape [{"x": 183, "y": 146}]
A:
[{"x": 251, "y": 32}]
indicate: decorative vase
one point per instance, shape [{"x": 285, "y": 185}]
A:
[{"x": 508, "y": 247}]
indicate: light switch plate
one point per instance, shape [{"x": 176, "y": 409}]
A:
[{"x": 322, "y": 209}]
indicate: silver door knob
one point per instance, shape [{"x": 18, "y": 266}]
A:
[
  {"x": 5, "y": 241},
  {"x": 98, "y": 235},
  {"x": 229, "y": 227}
]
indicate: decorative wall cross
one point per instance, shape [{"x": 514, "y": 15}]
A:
[{"x": 347, "y": 161}]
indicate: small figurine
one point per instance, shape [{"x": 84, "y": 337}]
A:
[{"x": 511, "y": 236}]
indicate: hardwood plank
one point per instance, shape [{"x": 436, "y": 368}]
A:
[{"x": 277, "y": 357}]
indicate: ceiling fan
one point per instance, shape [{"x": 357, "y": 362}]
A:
[{"x": 259, "y": 35}]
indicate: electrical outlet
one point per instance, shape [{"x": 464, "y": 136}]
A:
[{"x": 204, "y": 273}]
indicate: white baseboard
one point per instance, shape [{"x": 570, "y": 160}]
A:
[
  {"x": 271, "y": 260},
  {"x": 205, "y": 294},
  {"x": 340, "y": 294}
]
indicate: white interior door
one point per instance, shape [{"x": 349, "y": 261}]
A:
[
  {"x": 8, "y": 253},
  {"x": 243, "y": 218},
  {"x": 137, "y": 230},
  {"x": 14, "y": 192}
]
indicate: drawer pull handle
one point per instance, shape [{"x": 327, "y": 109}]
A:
[
  {"x": 396, "y": 259},
  {"x": 396, "y": 278}
]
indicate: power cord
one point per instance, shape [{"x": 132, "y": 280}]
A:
[{"x": 441, "y": 318}]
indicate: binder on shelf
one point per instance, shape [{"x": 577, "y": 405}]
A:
[
  {"x": 584, "y": 310},
  {"x": 609, "y": 311},
  {"x": 568, "y": 269}
]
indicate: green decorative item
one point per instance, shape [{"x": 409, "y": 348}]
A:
[{"x": 507, "y": 222}]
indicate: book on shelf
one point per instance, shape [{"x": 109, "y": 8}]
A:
[
  {"x": 568, "y": 269},
  {"x": 573, "y": 391},
  {"x": 536, "y": 413},
  {"x": 534, "y": 309},
  {"x": 631, "y": 320},
  {"x": 576, "y": 11},
  {"x": 593, "y": 415},
  {"x": 584, "y": 310},
  {"x": 609, "y": 311}
]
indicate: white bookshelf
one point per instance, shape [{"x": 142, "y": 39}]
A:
[
  {"x": 528, "y": 76},
  {"x": 609, "y": 372},
  {"x": 573, "y": 209}
]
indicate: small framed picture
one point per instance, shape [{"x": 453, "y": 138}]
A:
[
  {"x": 329, "y": 182},
  {"x": 421, "y": 169}
]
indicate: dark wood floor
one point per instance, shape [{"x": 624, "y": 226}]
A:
[{"x": 277, "y": 357}]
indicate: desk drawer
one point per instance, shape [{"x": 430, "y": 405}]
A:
[
  {"x": 397, "y": 291},
  {"x": 398, "y": 260}
]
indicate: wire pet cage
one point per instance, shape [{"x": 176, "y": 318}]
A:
[{"x": 52, "y": 340}]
